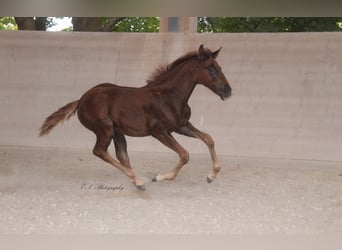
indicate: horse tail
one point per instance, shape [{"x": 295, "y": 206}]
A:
[{"x": 62, "y": 114}]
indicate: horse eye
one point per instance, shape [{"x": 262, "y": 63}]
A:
[{"x": 212, "y": 71}]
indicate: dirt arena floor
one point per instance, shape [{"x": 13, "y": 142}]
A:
[{"x": 71, "y": 191}]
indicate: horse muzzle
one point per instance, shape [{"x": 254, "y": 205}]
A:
[{"x": 225, "y": 92}]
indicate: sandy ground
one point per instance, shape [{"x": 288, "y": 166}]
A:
[{"x": 71, "y": 191}]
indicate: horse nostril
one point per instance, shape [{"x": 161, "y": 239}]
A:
[{"x": 227, "y": 90}]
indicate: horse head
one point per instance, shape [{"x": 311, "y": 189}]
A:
[{"x": 210, "y": 73}]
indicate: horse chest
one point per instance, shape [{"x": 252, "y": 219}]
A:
[{"x": 167, "y": 117}]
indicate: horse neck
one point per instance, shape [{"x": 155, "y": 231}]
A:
[{"x": 180, "y": 84}]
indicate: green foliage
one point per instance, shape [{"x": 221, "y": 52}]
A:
[
  {"x": 124, "y": 24},
  {"x": 30, "y": 23},
  {"x": 8, "y": 23},
  {"x": 269, "y": 24},
  {"x": 205, "y": 24},
  {"x": 137, "y": 24}
]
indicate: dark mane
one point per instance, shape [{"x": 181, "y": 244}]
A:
[{"x": 162, "y": 71}]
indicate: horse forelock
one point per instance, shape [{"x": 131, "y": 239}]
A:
[{"x": 162, "y": 71}]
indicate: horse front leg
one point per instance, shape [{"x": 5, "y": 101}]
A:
[
  {"x": 190, "y": 130},
  {"x": 168, "y": 140},
  {"x": 121, "y": 149}
]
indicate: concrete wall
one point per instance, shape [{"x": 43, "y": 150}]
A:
[{"x": 287, "y": 88}]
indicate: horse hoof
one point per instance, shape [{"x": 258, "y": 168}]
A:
[
  {"x": 141, "y": 187},
  {"x": 209, "y": 180}
]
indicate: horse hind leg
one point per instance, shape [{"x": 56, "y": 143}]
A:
[{"x": 104, "y": 135}]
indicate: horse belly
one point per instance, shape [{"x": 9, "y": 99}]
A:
[{"x": 130, "y": 119}]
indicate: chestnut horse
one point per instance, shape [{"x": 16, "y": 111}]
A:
[{"x": 157, "y": 109}]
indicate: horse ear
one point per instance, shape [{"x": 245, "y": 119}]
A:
[
  {"x": 201, "y": 53},
  {"x": 215, "y": 54}
]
